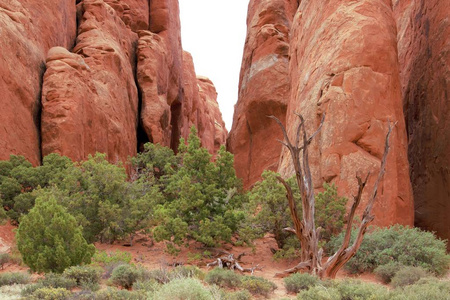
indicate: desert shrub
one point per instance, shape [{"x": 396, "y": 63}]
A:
[
  {"x": 425, "y": 288},
  {"x": 296, "y": 282},
  {"x": 160, "y": 275},
  {"x": 116, "y": 294},
  {"x": 358, "y": 290},
  {"x": 223, "y": 278},
  {"x": 387, "y": 271},
  {"x": 53, "y": 280},
  {"x": 83, "y": 274},
  {"x": 201, "y": 197},
  {"x": 4, "y": 259},
  {"x": 406, "y": 246},
  {"x": 319, "y": 292},
  {"x": 11, "y": 278},
  {"x": 146, "y": 285},
  {"x": 105, "y": 258},
  {"x": 408, "y": 275},
  {"x": 187, "y": 288},
  {"x": 186, "y": 272},
  {"x": 125, "y": 276},
  {"x": 271, "y": 213},
  {"x": 238, "y": 295},
  {"x": 49, "y": 238},
  {"x": 48, "y": 293},
  {"x": 258, "y": 285}
]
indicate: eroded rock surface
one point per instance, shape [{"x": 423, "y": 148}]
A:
[
  {"x": 344, "y": 64},
  {"x": 89, "y": 97},
  {"x": 263, "y": 89},
  {"x": 424, "y": 56},
  {"x": 28, "y": 29}
]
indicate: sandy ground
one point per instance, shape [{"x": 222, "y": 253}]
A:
[{"x": 154, "y": 256}]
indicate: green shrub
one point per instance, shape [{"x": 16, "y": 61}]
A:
[
  {"x": 116, "y": 294},
  {"x": 83, "y": 274},
  {"x": 48, "y": 293},
  {"x": 125, "y": 276},
  {"x": 186, "y": 272},
  {"x": 258, "y": 285},
  {"x": 238, "y": 295},
  {"x": 161, "y": 275},
  {"x": 52, "y": 280},
  {"x": 4, "y": 259},
  {"x": 223, "y": 278},
  {"x": 387, "y": 271},
  {"x": 319, "y": 292},
  {"x": 358, "y": 290},
  {"x": 105, "y": 258},
  {"x": 425, "y": 288},
  {"x": 49, "y": 238},
  {"x": 408, "y": 275},
  {"x": 187, "y": 289},
  {"x": 296, "y": 282},
  {"x": 146, "y": 285},
  {"x": 14, "y": 278},
  {"x": 403, "y": 245}
]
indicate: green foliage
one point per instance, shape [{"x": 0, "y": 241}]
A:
[
  {"x": 49, "y": 238},
  {"x": 105, "y": 258},
  {"x": 271, "y": 213},
  {"x": 18, "y": 180},
  {"x": 387, "y": 271},
  {"x": 116, "y": 294},
  {"x": 223, "y": 278},
  {"x": 358, "y": 290},
  {"x": 49, "y": 293},
  {"x": 187, "y": 288},
  {"x": 201, "y": 197},
  {"x": 408, "y": 275},
  {"x": 4, "y": 259},
  {"x": 53, "y": 280},
  {"x": 14, "y": 278},
  {"x": 125, "y": 276},
  {"x": 403, "y": 245},
  {"x": 300, "y": 281},
  {"x": 186, "y": 272},
  {"x": 319, "y": 292},
  {"x": 258, "y": 285},
  {"x": 83, "y": 274},
  {"x": 146, "y": 285},
  {"x": 238, "y": 295},
  {"x": 426, "y": 288}
]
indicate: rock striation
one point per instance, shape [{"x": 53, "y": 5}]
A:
[
  {"x": 116, "y": 76},
  {"x": 89, "y": 97},
  {"x": 424, "y": 54},
  {"x": 340, "y": 60},
  {"x": 263, "y": 89},
  {"x": 28, "y": 29}
]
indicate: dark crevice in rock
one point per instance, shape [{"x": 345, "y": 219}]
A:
[
  {"x": 175, "y": 115},
  {"x": 37, "y": 114}
]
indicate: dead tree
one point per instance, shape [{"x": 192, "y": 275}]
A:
[{"x": 304, "y": 227}]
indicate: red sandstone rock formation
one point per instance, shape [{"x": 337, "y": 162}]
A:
[
  {"x": 89, "y": 99},
  {"x": 344, "y": 63},
  {"x": 424, "y": 55},
  {"x": 89, "y": 94},
  {"x": 29, "y": 29},
  {"x": 263, "y": 89}
]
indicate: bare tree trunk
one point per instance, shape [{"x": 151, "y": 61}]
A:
[{"x": 305, "y": 228}]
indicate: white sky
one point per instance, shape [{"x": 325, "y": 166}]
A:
[{"x": 213, "y": 31}]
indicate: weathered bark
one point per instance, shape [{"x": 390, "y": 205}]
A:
[{"x": 305, "y": 228}]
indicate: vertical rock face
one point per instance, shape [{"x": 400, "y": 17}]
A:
[
  {"x": 263, "y": 88},
  {"x": 112, "y": 91},
  {"x": 89, "y": 99},
  {"x": 344, "y": 64},
  {"x": 424, "y": 56},
  {"x": 28, "y": 29}
]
